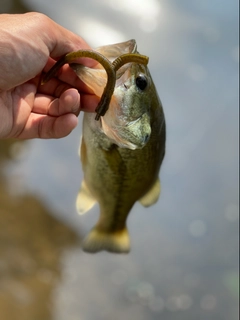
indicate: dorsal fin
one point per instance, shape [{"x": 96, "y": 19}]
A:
[
  {"x": 115, "y": 50},
  {"x": 96, "y": 78}
]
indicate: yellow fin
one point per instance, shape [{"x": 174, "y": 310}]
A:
[
  {"x": 85, "y": 200},
  {"x": 117, "y": 242},
  {"x": 152, "y": 195}
]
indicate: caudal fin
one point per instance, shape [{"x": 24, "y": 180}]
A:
[{"x": 117, "y": 242}]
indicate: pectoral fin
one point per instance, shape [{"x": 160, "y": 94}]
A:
[
  {"x": 85, "y": 200},
  {"x": 152, "y": 195}
]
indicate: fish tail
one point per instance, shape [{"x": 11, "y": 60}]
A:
[{"x": 98, "y": 240}]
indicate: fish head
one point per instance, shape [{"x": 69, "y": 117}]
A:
[{"x": 127, "y": 122}]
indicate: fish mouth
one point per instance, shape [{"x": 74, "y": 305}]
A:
[{"x": 134, "y": 135}]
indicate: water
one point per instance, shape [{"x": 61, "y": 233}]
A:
[{"x": 184, "y": 258}]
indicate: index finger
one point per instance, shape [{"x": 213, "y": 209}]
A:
[{"x": 66, "y": 75}]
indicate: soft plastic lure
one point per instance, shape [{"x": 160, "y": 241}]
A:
[{"x": 110, "y": 67}]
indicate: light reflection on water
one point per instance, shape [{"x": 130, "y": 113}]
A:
[{"x": 184, "y": 249}]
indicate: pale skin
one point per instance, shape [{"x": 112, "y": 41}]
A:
[{"x": 30, "y": 44}]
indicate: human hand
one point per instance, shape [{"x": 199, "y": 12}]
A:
[{"x": 30, "y": 44}]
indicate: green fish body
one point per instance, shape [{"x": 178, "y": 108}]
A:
[{"x": 122, "y": 153}]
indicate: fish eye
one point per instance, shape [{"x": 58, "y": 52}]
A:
[{"x": 141, "y": 82}]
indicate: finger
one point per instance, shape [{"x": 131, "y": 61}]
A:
[
  {"x": 65, "y": 41},
  {"x": 68, "y": 102},
  {"x": 68, "y": 75},
  {"x": 64, "y": 75},
  {"x": 45, "y": 104},
  {"x": 61, "y": 41},
  {"x": 55, "y": 87},
  {"x": 89, "y": 102},
  {"x": 48, "y": 127},
  {"x": 89, "y": 62}
]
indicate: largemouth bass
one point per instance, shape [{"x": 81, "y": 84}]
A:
[{"x": 121, "y": 154}]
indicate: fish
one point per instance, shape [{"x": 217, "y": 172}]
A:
[
  {"x": 121, "y": 154},
  {"x": 123, "y": 146}
]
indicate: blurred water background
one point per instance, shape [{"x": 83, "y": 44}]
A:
[{"x": 184, "y": 259}]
